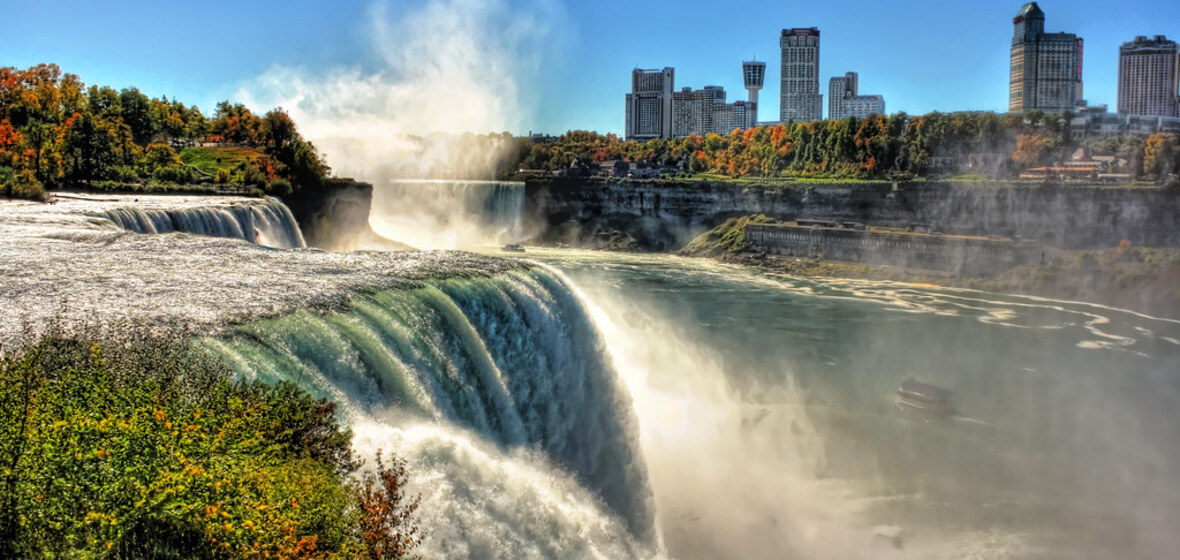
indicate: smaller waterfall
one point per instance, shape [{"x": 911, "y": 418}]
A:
[
  {"x": 268, "y": 223},
  {"x": 449, "y": 214}
]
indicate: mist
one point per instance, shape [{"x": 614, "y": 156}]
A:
[{"x": 439, "y": 71}]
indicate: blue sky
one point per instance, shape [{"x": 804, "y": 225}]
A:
[{"x": 921, "y": 55}]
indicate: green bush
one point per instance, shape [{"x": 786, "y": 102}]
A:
[
  {"x": 23, "y": 184},
  {"x": 123, "y": 174},
  {"x": 279, "y": 187},
  {"x": 175, "y": 174},
  {"x": 148, "y": 448}
]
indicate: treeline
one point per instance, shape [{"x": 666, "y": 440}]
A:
[
  {"x": 57, "y": 132},
  {"x": 145, "y": 447},
  {"x": 897, "y": 146}
]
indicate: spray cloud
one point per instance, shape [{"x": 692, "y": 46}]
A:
[{"x": 442, "y": 69}]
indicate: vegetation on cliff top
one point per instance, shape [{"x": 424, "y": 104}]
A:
[
  {"x": 145, "y": 448},
  {"x": 55, "y": 132},
  {"x": 897, "y": 146}
]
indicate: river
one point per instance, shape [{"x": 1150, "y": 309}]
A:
[
  {"x": 768, "y": 416},
  {"x": 574, "y": 404}
]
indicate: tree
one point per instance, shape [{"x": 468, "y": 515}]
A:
[
  {"x": 387, "y": 528},
  {"x": 278, "y": 129},
  {"x": 1159, "y": 155},
  {"x": 88, "y": 150},
  {"x": 1030, "y": 149},
  {"x": 157, "y": 156}
]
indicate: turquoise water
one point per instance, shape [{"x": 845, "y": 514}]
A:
[{"x": 1066, "y": 446}]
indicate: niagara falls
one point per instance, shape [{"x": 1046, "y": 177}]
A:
[{"x": 504, "y": 279}]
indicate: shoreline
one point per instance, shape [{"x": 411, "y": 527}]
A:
[{"x": 1138, "y": 291}]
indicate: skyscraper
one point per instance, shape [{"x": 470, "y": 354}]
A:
[
  {"x": 1149, "y": 77},
  {"x": 845, "y": 101},
  {"x": 649, "y": 105},
  {"x": 1046, "y": 69},
  {"x": 754, "y": 76},
  {"x": 799, "y": 97}
]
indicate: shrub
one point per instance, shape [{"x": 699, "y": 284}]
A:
[
  {"x": 279, "y": 187},
  {"x": 123, "y": 173},
  {"x": 175, "y": 174},
  {"x": 146, "y": 447},
  {"x": 23, "y": 184}
]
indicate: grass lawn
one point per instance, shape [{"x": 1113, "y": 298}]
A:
[{"x": 210, "y": 160}]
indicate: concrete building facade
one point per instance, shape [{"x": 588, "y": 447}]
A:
[
  {"x": 649, "y": 105},
  {"x": 845, "y": 101},
  {"x": 1046, "y": 68},
  {"x": 704, "y": 111},
  {"x": 692, "y": 110},
  {"x": 799, "y": 97},
  {"x": 1149, "y": 77}
]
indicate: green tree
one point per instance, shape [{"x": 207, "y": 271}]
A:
[{"x": 1159, "y": 155}]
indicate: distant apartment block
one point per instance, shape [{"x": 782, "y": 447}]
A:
[
  {"x": 799, "y": 97},
  {"x": 704, "y": 111},
  {"x": 1108, "y": 125},
  {"x": 1046, "y": 68},
  {"x": 649, "y": 105},
  {"x": 728, "y": 117},
  {"x": 692, "y": 110},
  {"x": 844, "y": 101},
  {"x": 1149, "y": 77}
]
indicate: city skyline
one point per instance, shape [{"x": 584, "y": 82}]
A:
[{"x": 568, "y": 62}]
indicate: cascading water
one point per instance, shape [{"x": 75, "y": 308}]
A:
[
  {"x": 711, "y": 410},
  {"x": 490, "y": 386},
  {"x": 268, "y": 223},
  {"x": 449, "y": 214}
]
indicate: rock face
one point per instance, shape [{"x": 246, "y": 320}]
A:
[
  {"x": 336, "y": 217},
  {"x": 665, "y": 215}
]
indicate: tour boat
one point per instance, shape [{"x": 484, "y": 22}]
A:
[{"x": 924, "y": 398}]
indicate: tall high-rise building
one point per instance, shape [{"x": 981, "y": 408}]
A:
[
  {"x": 649, "y": 105},
  {"x": 754, "y": 76},
  {"x": 1149, "y": 77},
  {"x": 844, "y": 100},
  {"x": 799, "y": 97},
  {"x": 1046, "y": 68}
]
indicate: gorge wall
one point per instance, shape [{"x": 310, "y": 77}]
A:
[
  {"x": 663, "y": 215},
  {"x": 336, "y": 216}
]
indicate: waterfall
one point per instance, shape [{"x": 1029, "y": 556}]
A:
[
  {"x": 449, "y": 214},
  {"x": 268, "y": 223},
  {"x": 496, "y": 389}
]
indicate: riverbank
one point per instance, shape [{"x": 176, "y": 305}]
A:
[
  {"x": 1143, "y": 279},
  {"x": 664, "y": 215}
]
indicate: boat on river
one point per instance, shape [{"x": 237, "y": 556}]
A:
[{"x": 924, "y": 399}]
